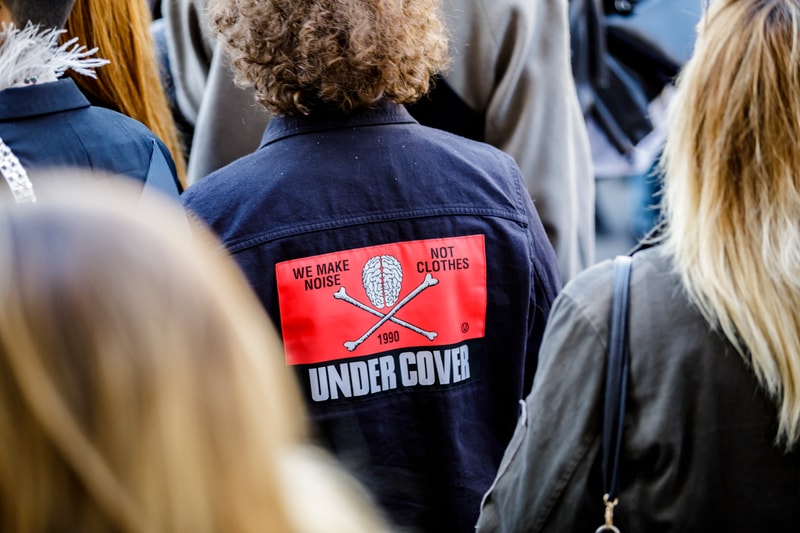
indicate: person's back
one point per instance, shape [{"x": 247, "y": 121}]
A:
[
  {"x": 421, "y": 415},
  {"x": 406, "y": 266},
  {"x": 712, "y": 414},
  {"x": 699, "y": 449},
  {"x": 509, "y": 85},
  {"x": 131, "y": 82},
  {"x": 48, "y": 122}
]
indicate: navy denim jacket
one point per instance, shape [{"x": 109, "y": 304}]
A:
[
  {"x": 53, "y": 125},
  {"x": 410, "y": 277}
]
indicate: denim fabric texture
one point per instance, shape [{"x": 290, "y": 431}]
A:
[{"x": 327, "y": 184}]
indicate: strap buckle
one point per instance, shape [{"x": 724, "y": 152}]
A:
[{"x": 609, "y": 525}]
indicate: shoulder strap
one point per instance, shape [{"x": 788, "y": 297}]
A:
[{"x": 616, "y": 384}]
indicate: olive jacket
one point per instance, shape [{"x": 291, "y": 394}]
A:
[{"x": 698, "y": 449}]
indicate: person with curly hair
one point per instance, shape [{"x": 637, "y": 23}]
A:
[
  {"x": 406, "y": 267},
  {"x": 509, "y": 84}
]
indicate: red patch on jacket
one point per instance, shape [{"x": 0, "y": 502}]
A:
[{"x": 380, "y": 298}]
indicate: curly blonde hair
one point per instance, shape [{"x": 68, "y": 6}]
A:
[{"x": 338, "y": 55}]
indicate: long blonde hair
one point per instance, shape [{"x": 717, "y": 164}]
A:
[
  {"x": 732, "y": 188},
  {"x": 142, "y": 387},
  {"x": 131, "y": 82}
]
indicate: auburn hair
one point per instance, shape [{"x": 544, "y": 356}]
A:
[{"x": 131, "y": 83}]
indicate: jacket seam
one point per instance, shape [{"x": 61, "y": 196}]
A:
[{"x": 250, "y": 242}]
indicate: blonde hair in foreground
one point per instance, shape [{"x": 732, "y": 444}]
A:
[
  {"x": 131, "y": 82},
  {"x": 732, "y": 188},
  {"x": 142, "y": 388}
]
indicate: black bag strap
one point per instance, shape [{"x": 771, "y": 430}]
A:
[{"x": 616, "y": 386}]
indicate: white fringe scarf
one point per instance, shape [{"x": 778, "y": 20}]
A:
[{"x": 29, "y": 56}]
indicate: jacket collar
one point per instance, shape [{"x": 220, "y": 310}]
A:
[
  {"x": 44, "y": 99},
  {"x": 383, "y": 112}
]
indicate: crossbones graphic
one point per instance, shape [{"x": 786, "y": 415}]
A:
[{"x": 341, "y": 294}]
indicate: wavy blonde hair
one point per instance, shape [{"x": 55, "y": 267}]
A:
[
  {"x": 339, "y": 55},
  {"x": 732, "y": 188},
  {"x": 131, "y": 82},
  {"x": 142, "y": 387}
]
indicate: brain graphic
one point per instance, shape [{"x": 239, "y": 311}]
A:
[{"x": 382, "y": 277}]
